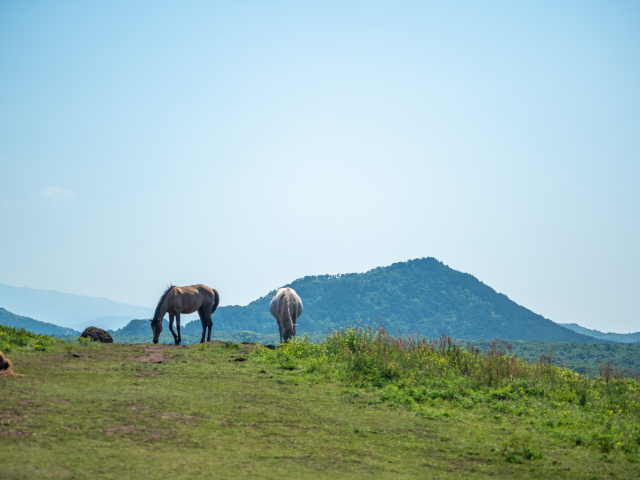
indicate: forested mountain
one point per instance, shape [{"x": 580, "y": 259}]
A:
[
  {"x": 612, "y": 337},
  {"x": 422, "y": 295},
  {"x": 35, "y": 326}
]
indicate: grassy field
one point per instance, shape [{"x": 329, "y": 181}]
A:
[{"x": 222, "y": 410}]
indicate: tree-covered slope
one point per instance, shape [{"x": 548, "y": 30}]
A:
[
  {"x": 421, "y": 295},
  {"x": 612, "y": 337},
  {"x": 35, "y": 326},
  {"x": 577, "y": 356}
]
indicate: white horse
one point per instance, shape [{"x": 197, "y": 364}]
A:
[{"x": 286, "y": 308}]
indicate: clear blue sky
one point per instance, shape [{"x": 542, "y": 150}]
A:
[{"x": 247, "y": 144}]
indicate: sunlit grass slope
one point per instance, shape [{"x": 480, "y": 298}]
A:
[{"x": 359, "y": 405}]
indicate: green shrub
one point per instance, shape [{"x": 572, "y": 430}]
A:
[{"x": 11, "y": 338}]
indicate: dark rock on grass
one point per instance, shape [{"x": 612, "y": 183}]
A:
[{"x": 97, "y": 335}]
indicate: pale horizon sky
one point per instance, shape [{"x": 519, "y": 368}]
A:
[{"x": 247, "y": 144}]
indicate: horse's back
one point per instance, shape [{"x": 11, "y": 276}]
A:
[
  {"x": 192, "y": 297},
  {"x": 285, "y": 299}
]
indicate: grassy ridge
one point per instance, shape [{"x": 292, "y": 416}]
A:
[{"x": 573, "y": 355}]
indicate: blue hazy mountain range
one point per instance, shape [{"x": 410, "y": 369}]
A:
[
  {"x": 35, "y": 326},
  {"x": 422, "y": 296},
  {"x": 69, "y": 310},
  {"x": 612, "y": 337}
]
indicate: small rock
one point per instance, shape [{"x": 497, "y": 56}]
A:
[{"x": 97, "y": 335}]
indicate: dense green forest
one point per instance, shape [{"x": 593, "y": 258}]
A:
[
  {"x": 35, "y": 326},
  {"x": 612, "y": 337},
  {"x": 575, "y": 356},
  {"x": 421, "y": 295}
]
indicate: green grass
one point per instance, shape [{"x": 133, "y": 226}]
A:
[{"x": 355, "y": 406}]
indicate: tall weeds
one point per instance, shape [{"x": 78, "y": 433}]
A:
[{"x": 414, "y": 369}]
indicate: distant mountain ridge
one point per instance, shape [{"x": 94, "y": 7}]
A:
[
  {"x": 612, "y": 337},
  {"x": 17, "y": 321},
  {"x": 69, "y": 310}
]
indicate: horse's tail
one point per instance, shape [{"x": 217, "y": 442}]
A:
[{"x": 216, "y": 301}]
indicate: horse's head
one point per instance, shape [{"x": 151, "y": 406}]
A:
[
  {"x": 156, "y": 328},
  {"x": 288, "y": 332}
]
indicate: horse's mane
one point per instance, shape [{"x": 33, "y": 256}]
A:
[{"x": 155, "y": 315}]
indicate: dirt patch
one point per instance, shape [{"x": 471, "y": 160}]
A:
[
  {"x": 6, "y": 418},
  {"x": 177, "y": 416},
  {"x": 60, "y": 400},
  {"x": 120, "y": 429},
  {"x": 27, "y": 402},
  {"x": 154, "y": 354},
  {"x": 58, "y": 356},
  {"x": 15, "y": 433},
  {"x": 148, "y": 373}
]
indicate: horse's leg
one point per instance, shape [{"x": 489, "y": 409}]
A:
[
  {"x": 204, "y": 324},
  {"x": 175, "y": 337},
  {"x": 178, "y": 325},
  {"x": 207, "y": 323}
]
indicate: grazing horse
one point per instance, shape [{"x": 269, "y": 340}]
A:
[
  {"x": 177, "y": 300},
  {"x": 286, "y": 308}
]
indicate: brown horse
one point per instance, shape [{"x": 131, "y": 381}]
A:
[{"x": 177, "y": 300}]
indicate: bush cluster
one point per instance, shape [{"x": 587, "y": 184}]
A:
[{"x": 11, "y": 338}]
